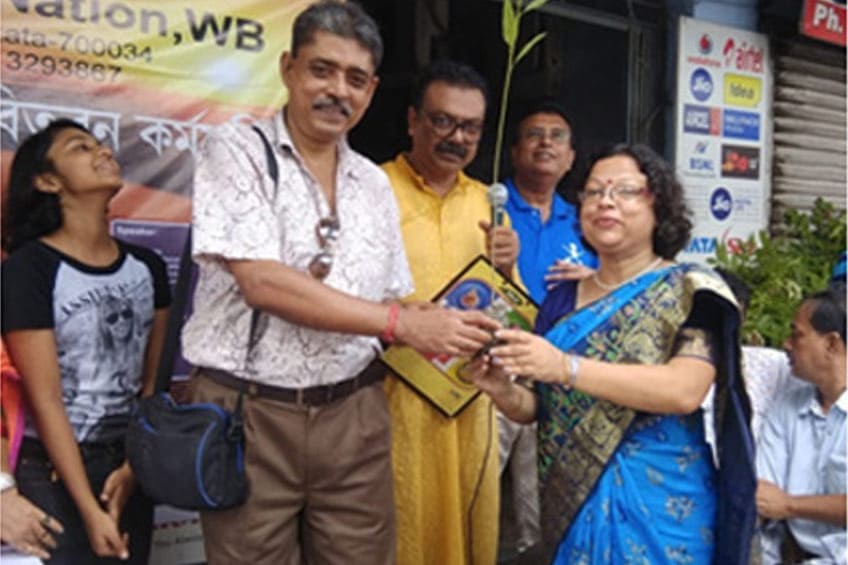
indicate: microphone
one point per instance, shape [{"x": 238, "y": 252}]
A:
[{"x": 498, "y": 195}]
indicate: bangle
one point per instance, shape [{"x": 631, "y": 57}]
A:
[
  {"x": 7, "y": 481},
  {"x": 388, "y": 334},
  {"x": 573, "y": 365}
]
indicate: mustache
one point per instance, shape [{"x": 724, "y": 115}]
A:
[
  {"x": 333, "y": 102},
  {"x": 452, "y": 148}
]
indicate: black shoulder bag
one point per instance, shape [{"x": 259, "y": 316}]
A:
[{"x": 189, "y": 456}]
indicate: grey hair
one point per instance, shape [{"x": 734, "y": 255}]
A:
[{"x": 345, "y": 19}]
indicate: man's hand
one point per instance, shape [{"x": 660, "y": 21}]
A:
[
  {"x": 565, "y": 271},
  {"x": 444, "y": 332},
  {"x": 25, "y": 527},
  {"x": 772, "y": 502},
  {"x": 502, "y": 246}
]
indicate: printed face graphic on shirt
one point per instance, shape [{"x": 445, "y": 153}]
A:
[{"x": 116, "y": 321}]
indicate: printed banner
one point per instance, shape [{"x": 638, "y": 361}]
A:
[
  {"x": 148, "y": 77},
  {"x": 439, "y": 378},
  {"x": 723, "y": 134}
]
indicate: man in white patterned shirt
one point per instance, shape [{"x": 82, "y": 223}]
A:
[{"x": 303, "y": 269}]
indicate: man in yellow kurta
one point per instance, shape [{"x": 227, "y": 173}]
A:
[{"x": 445, "y": 469}]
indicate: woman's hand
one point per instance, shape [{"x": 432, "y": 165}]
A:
[
  {"x": 103, "y": 535},
  {"x": 117, "y": 490},
  {"x": 530, "y": 356},
  {"x": 25, "y": 527}
]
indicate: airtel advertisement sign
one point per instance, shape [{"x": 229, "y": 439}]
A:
[{"x": 723, "y": 133}]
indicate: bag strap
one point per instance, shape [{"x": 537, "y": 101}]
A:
[
  {"x": 175, "y": 320},
  {"x": 274, "y": 173},
  {"x": 273, "y": 169}
]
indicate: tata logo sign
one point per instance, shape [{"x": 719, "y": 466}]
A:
[
  {"x": 721, "y": 203},
  {"x": 741, "y": 125},
  {"x": 743, "y": 56},
  {"x": 702, "y": 245},
  {"x": 707, "y": 245},
  {"x": 740, "y": 90},
  {"x": 701, "y": 119},
  {"x": 701, "y": 84}
]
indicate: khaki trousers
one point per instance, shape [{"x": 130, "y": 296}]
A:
[{"x": 320, "y": 482}]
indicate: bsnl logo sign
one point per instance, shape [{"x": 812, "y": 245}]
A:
[{"x": 699, "y": 164}]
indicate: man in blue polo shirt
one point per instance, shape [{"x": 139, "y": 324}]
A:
[
  {"x": 551, "y": 251},
  {"x": 547, "y": 225}
]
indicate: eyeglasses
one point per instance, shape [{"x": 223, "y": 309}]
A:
[
  {"x": 126, "y": 314},
  {"x": 558, "y": 136},
  {"x": 618, "y": 192},
  {"x": 327, "y": 231},
  {"x": 445, "y": 125}
]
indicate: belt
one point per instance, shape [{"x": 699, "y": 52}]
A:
[{"x": 309, "y": 396}]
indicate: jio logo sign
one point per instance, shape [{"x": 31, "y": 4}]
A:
[
  {"x": 701, "y": 84},
  {"x": 721, "y": 203}
]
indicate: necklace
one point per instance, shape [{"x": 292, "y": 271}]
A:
[{"x": 651, "y": 266}]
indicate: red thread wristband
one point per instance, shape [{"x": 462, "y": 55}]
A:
[{"x": 388, "y": 334}]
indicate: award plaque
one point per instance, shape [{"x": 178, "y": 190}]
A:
[{"x": 479, "y": 286}]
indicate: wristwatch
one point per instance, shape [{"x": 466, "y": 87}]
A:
[{"x": 7, "y": 481}]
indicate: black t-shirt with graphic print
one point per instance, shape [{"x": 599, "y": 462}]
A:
[{"x": 101, "y": 317}]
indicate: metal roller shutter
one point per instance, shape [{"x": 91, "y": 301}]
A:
[{"x": 809, "y": 126}]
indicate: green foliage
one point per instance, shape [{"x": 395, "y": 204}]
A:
[
  {"x": 783, "y": 268},
  {"x": 513, "y": 10}
]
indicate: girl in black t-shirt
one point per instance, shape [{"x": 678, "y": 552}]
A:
[{"x": 83, "y": 318}]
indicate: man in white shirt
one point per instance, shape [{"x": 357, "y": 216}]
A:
[
  {"x": 801, "y": 460},
  {"x": 297, "y": 279}
]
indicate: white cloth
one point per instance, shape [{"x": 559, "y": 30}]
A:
[
  {"x": 237, "y": 215},
  {"x": 802, "y": 451},
  {"x": 767, "y": 374},
  {"x": 519, "y": 459}
]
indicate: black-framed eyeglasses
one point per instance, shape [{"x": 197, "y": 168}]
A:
[
  {"x": 559, "y": 136},
  {"x": 617, "y": 192},
  {"x": 327, "y": 231},
  {"x": 445, "y": 125}
]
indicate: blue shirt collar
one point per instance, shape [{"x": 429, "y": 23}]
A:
[{"x": 560, "y": 209}]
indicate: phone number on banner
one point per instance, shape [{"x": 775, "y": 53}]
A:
[
  {"x": 48, "y": 65},
  {"x": 22, "y": 53}
]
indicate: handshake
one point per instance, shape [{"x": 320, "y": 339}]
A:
[{"x": 429, "y": 328}]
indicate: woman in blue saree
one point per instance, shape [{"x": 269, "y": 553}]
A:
[{"x": 626, "y": 360}]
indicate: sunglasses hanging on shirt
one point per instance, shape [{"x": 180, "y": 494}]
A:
[{"x": 327, "y": 231}]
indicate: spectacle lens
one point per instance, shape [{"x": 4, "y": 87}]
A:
[{"x": 327, "y": 231}]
